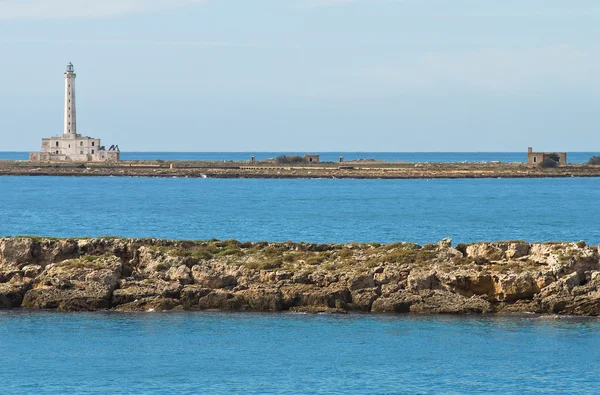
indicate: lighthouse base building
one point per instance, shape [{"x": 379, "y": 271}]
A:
[
  {"x": 71, "y": 146},
  {"x": 74, "y": 149}
]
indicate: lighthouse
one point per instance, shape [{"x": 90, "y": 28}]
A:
[
  {"x": 71, "y": 146},
  {"x": 70, "y": 109}
]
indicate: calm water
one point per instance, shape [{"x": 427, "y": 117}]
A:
[
  {"x": 573, "y": 157},
  {"x": 326, "y": 210},
  {"x": 218, "y": 353},
  {"x": 50, "y": 353}
]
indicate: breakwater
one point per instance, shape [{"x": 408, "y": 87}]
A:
[
  {"x": 156, "y": 275},
  {"x": 359, "y": 170}
]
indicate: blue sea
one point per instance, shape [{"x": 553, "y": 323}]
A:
[
  {"x": 413, "y": 157},
  {"x": 322, "y": 210},
  {"x": 222, "y": 353}
]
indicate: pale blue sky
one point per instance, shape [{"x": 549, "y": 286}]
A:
[{"x": 305, "y": 75}]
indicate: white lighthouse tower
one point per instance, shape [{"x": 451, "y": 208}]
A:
[
  {"x": 70, "y": 109},
  {"x": 71, "y": 146}
]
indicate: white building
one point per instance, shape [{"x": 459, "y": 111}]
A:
[{"x": 71, "y": 146}]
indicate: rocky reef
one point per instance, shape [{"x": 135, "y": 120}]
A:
[
  {"x": 156, "y": 275},
  {"x": 245, "y": 169}
]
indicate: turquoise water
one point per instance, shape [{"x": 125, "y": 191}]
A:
[
  {"x": 326, "y": 210},
  {"x": 219, "y": 353},
  {"x": 573, "y": 157}
]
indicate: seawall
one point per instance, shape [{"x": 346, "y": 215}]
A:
[
  {"x": 375, "y": 170},
  {"x": 155, "y": 275}
]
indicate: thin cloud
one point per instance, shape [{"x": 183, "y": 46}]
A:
[
  {"x": 331, "y": 3},
  {"x": 494, "y": 70},
  {"x": 57, "y": 9}
]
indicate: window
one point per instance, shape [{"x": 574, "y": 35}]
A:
[
  {"x": 57, "y": 152},
  {"x": 81, "y": 152},
  {"x": 92, "y": 151},
  {"x": 57, "y": 143},
  {"x": 81, "y": 144},
  {"x": 93, "y": 143},
  {"x": 69, "y": 145},
  {"x": 534, "y": 159}
]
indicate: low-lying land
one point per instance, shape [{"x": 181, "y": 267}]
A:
[
  {"x": 156, "y": 275},
  {"x": 360, "y": 169}
]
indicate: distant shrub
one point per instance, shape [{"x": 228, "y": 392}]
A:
[
  {"x": 462, "y": 247},
  {"x": 594, "y": 160},
  {"x": 346, "y": 253},
  {"x": 264, "y": 265},
  {"x": 315, "y": 260},
  {"x": 548, "y": 163},
  {"x": 284, "y": 159}
]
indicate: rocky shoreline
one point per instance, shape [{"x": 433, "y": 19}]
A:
[
  {"x": 157, "y": 275},
  {"x": 357, "y": 170}
]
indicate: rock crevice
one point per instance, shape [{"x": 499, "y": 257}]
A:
[{"x": 153, "y": 274}]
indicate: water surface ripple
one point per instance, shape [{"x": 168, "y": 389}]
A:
[
  {"x": 325, "y": 210},
  {"x": 221, "y": 353}
]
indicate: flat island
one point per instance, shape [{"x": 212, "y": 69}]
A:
[
  {"x": 156, "y": 275},
  {"x": 355, "y": 169}
]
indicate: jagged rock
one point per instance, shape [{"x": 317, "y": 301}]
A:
[
  {"x": 152, "y": 304},
  {"x": 141, "y": 275},
  {"x": 512, "y": 287},
  {"x": 517, "y": 250},
  {"x": 362, "y": 282},
  {"x": 487, "y": 252},
  {"x": 31, "y": 271},
  {"x": 391, "y": 275},
  {"x": 275, "y": 277},
  {"x": 468, "y": 283},
  {"x": 317, "y": 310},
  {"x": 307, "y": 295},
  {"x": 16, "y": 252},
  {"x": 519, "y": 307},
  {"x": 129, "y": 291},
  {"x": 151, "y": 261},
  {"x": 564, "y": 286},
  {"x": 399, "y": 302},
  {"x": 570, "y": 295},
  {"x": 220, "y": 300},
  {"x": 11, "y": 294},
  {"x": 13, "y": 275},
  {"x": 191, "y": 294},
  {"x": 444, "y": 302},
  {"x": 363, "y": 299},
  {"x": 210, "y": 279},
  {"x": 75, "y": 285},
  {"x": 420, "y": 281},
  {"x": 183, "y": 274},
  {"x": 449, "y": 254},
  {"x": 445, "y": 243},
  {"x": 262, "y": 299}
]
